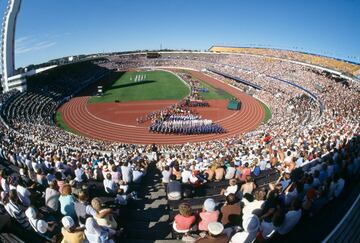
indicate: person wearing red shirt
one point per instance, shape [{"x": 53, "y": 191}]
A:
[
  {"x": 184, "y": 221},
  {"x": 245, "y": 172},
  {"x": 208, "y": 215}
]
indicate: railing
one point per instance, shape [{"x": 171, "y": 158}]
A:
[
  {"x": 348, "y": 228},
  {"x": 235, "y": 78}
]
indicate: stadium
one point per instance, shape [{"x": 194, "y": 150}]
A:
[{"x": 231, "y": 144}]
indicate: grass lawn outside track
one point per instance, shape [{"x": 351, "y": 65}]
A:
[
  {"x": 62, "y": 124},
  {"x": 267, "y": 112},
  {"x": 214, "y": 93},
  {"x": 155, "y": 85}
]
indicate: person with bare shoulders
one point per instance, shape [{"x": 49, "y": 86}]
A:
[{"x": 248, "y": 186}]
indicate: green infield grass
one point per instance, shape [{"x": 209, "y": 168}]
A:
[{"x": 146, "y": 85}]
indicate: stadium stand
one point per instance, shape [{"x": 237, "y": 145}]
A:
[
  {"x": 287, "y": 172},
  {"x": 327, "y": 62}
]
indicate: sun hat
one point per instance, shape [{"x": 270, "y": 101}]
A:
[
  {"x": 209, "y": 205},
  {"x": 41, "y": 226},
  {"x": 30, "y": 213},
  {"x": 215, "y": 228},
  {"x": 67, "y": 222}
]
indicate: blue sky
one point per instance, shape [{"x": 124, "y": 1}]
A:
[{"x": 48, "y": 29}]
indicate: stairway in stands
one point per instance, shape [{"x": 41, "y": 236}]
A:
[{"x": 149, "y": 221}]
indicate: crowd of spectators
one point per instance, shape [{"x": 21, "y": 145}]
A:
[
  {"x": 250, "y": 213},
  {"x": 326, "y": 62},
  {"x": 58, "y": 169},
  {"x": 51, "y": 193}
]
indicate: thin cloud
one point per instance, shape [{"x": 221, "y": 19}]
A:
[
  {"x": 23, "y": 39},
  {"x": 32, "y": 43},
  {"x": 34, "y": 47}
]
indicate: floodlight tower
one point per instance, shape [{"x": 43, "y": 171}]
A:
[{"x": 8, "y": 43}]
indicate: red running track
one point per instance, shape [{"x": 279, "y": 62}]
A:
[{"x": 98, "y": 122}]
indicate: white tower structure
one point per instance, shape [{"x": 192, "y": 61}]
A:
[{"x": 7, "y": 48}]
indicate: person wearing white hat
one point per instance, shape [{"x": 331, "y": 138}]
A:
[
  {"x": 40, "y": 226},
  {"x": 70, "y": 233},
  {"x": 94, "y": 233},
  {"x": 215, "y": 234},
  {"x": 251, "y": 226},
  {"x": 209, "y": 214}
]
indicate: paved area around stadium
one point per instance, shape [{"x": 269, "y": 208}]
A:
[{"x": 113, "y": 123}]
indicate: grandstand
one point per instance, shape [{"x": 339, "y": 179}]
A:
[
  {"x": 332, "y": 63},
  {"x": 303, "y": 162}
]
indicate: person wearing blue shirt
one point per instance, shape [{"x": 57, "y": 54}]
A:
[
  {"x": 323, "y": 173},
  {"x": 67, "y": 202}
]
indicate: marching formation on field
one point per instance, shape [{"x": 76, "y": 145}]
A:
[
  {"x": 194, "y": 99},
  {"x": 185, "y": 124},
  {"x": 139, "y": 78}
]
